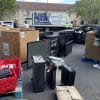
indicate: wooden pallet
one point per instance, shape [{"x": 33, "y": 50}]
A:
[{"x": 67, "y": 93}]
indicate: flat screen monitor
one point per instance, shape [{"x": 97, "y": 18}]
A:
[{"x": 41, "y": 47}]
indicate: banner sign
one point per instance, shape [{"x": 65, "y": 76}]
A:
[{"x": 50, "y": 19}]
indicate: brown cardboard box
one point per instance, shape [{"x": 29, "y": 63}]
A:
[
  {"x": 15, "y": 45},
  {"x": 4, "y": 28},
  {"x": 27, "y": 36},
  {"x": 1, "y": 29},
  {"x": 22, "y": 29},
  {"x": 91, "y": 51},
  {"x": 10, "y": 44}
]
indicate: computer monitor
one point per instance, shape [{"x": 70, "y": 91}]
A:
[{"x": 41, "y": 47}]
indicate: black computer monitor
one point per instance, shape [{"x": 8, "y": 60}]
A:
[{"x": 41, "y": 47}]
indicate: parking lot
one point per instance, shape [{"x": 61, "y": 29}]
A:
[{"x": 87, "y": 79}]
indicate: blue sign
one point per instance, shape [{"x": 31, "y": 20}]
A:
[{"x": 41, "y": 19}]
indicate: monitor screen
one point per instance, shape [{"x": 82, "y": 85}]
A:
[{"x": 41, "y": 47}]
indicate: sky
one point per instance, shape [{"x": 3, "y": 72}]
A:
[{"x": 52, "y": 1}]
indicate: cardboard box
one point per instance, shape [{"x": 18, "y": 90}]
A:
[
  {"x": 2, "y": 28},
  {"x": 15, "y": 45},
  {"x": 25, "y": 37},
  {"x": 10, "y": 44},
  {"x": 91, "y": 51}
]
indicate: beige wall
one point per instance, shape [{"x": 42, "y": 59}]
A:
[{"x": 20, "y": 16}]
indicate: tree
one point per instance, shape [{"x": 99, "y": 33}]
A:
[
  {"x": 88, "y": 10},
  {"x": 7, "y": 7}
]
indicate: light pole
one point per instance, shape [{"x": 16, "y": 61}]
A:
[
  {"x": 47, "y": 5},
  {"x": 46, "y": 16}
]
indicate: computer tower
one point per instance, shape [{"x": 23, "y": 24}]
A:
[
  {"x": 61, "y": 45},
  {"x": 51, "y": 78},
  {"x": 51, "y": 73},
  {"x": 68, "y": 46},
  {"x": 67, "y": 75},
  {"x": 53, "y": 44},
  {"x": 38, "y": 73}
]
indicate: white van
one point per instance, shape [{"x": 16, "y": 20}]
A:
[{"x": 6, "y": 23}]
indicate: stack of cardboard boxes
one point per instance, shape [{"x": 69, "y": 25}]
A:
[{"x": 13, "y": 42}]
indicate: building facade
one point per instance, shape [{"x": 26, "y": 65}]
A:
[{"x": 32, "y": 11}]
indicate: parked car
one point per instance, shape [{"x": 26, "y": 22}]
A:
[
  {"x": 80, "y": 33},
  {"x": 89, "y": 27},
  {"x": 97, "y": 29},
  {"x": 6, "y": 23}
]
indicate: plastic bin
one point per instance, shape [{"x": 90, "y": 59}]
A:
[
  {"x": 14, "y": 64},
  {"x": 8, "y": 84}
]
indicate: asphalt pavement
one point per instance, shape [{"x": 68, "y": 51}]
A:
[{"x": 87, "y": 79}]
